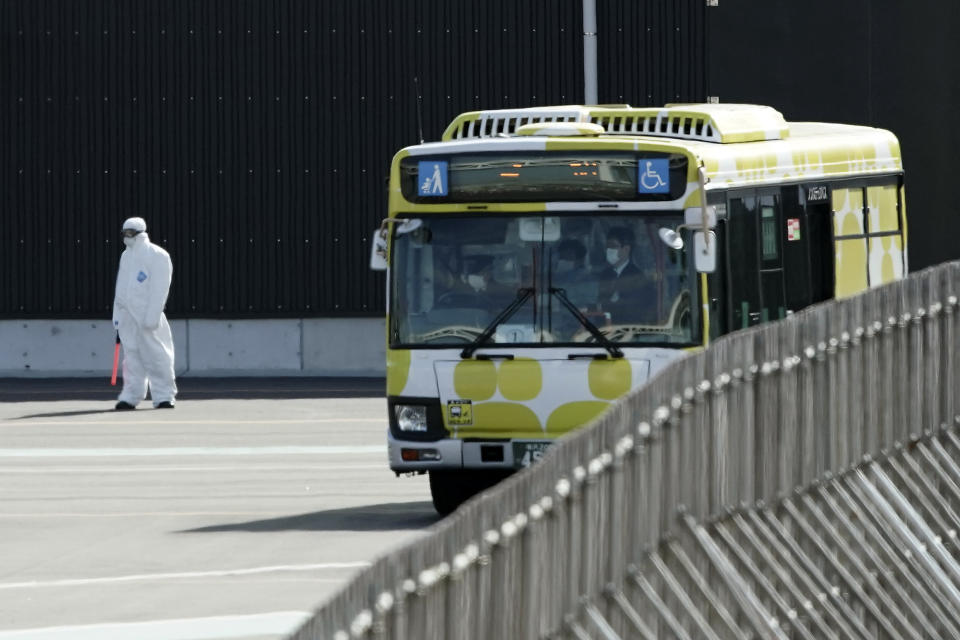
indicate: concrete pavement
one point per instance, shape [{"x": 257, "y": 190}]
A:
[{"x": 233, "y": 515}]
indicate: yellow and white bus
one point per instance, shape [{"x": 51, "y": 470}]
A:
[{"x": 542, "y": 262}]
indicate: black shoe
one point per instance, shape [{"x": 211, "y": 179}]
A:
[
  {"x": 166, "y": 404},
  {"x": 124, "y": 406}
]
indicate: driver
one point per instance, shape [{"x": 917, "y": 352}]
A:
[
  {"x": 446, "y": 272},
  {"x": 474, "y": 286},
  {"x": 624, "y": 291},
  {"x": 571, "y": 274}
]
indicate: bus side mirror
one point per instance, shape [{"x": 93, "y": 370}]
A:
[
  {"x": 378, "y": 250},
  {"x": 705, "y": 251}
]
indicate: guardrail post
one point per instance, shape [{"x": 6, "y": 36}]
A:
[
  {"x": 689, "y": 471},
  {"x": 620, "y": 539},
  {"x": 791, "y": 428},
  {"x": 404, "y": 621},
  {"x": 888, "y": 383},
  {"x": 835, "y": 440},
  {"x": 950, "y": 356},
  {"x": 739, "y": 470},
  {"x": 751, "y": 473},
  {"x": 590, "y": 521},
  {"x": 705, "y": 444},
  {"x": 569, "y": 530},
  {"x": 807, "y": 425},
  {"x": 933, "y": 356},
  {"x": 857, "y": 396},
  {"x": 846, "y": 456},
  {"x": 643, "y": 512},
  {"x": 724, "y": 457},
  {"x": 767, "y": 428},
  {"x": 871, "y": 349},
  {"x": 496, "y": 612},
  {"x": 666, "y": 441},
  {"x": 914, "y": 362}
]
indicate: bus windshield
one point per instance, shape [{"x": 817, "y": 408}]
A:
[{"x": 534, "y": 280}]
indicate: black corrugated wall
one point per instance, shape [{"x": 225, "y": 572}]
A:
[
  {"x": 255, "y": 135},
  {"x": 883, "y": 63}
]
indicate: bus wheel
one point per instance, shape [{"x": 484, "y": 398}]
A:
[{"x": 451, "y": 488}]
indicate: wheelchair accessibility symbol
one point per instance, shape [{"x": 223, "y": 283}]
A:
[{"x": 654, "y": 176}]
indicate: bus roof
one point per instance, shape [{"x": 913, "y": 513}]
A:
[
  {"x": 739, "y": 144},
  {"x": 722, "y": 123}
]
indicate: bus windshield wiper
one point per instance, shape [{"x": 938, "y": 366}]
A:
[
  {"x": 613, "y": 349},
  {"x": 523, "y": 295}
]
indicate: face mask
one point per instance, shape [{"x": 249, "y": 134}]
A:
[
  {"x": 565, "y": 266},
  {"x": 130, "y": 241},
  {"x": 613, "y": 256},
  {"x": 477, "y": 282}
]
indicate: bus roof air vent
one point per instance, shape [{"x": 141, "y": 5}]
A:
[
  {"x": 505, "y": 122},
  {"x": 722, "y": 123},
  {"x": 560, "y": 129}
]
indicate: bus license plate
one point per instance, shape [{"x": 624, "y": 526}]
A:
[{"x": 526, "y": 453}]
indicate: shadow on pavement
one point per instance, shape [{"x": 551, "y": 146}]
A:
[
  {"x": 64, "y": 414},
  {"x": 274, "y": 388},
  {"x": 373, "y": 517}
]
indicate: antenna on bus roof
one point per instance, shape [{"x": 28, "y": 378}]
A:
[{"x": 416, "y": 87}]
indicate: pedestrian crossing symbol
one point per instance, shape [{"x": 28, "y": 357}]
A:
[{"x": 432, "y": 178}]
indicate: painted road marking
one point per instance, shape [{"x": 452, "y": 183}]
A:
[
  {"x": 153, "y": 514},
  {"x": 146, "y": 577},
  {"x": 119, "y": 421},
  {"x": 192, "y": 451},
  {"x": 245, "y": 626},
  {"x": 148, "y": 514},
  {"x": 168, "y": 469}
]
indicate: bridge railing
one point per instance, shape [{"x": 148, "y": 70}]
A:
[{"x": 662, "y": 517}]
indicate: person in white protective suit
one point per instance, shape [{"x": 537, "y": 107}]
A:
[{"x": 143, "y": 282}]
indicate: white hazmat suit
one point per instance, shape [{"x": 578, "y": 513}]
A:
[{"x": 143, "y": 282}]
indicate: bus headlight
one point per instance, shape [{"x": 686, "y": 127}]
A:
[{"x": 411, "y": 417}]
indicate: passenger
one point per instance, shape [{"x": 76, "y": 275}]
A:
[{"x": 625, "y": 293}]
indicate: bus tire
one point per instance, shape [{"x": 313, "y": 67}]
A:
[{"x": 451, "y": 488}]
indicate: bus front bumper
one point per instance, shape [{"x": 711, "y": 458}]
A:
[{"x": 449, "y": 453}]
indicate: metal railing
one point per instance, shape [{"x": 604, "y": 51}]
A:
[{"x": 795, "y": 480}]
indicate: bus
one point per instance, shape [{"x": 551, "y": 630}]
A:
[{"x": 542, "y": 262}]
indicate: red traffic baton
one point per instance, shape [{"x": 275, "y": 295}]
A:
[{"x": 116, "y": 361}]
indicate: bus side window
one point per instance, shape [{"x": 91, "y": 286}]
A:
[
  {"x": 850, "y": 243},
  {"x": 884, "y": 237},
  {"x": 743, "y": 259}
]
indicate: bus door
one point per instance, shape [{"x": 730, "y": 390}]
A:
[
  {"x": 773, "y": 304},
  {"x": 796, "y": 249},
  {"x": 743, "y": 260},
  {"x": 807, "y": 245},
  {"x": 819, "y": 219},
  {"x": 754, "y": 258}
]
